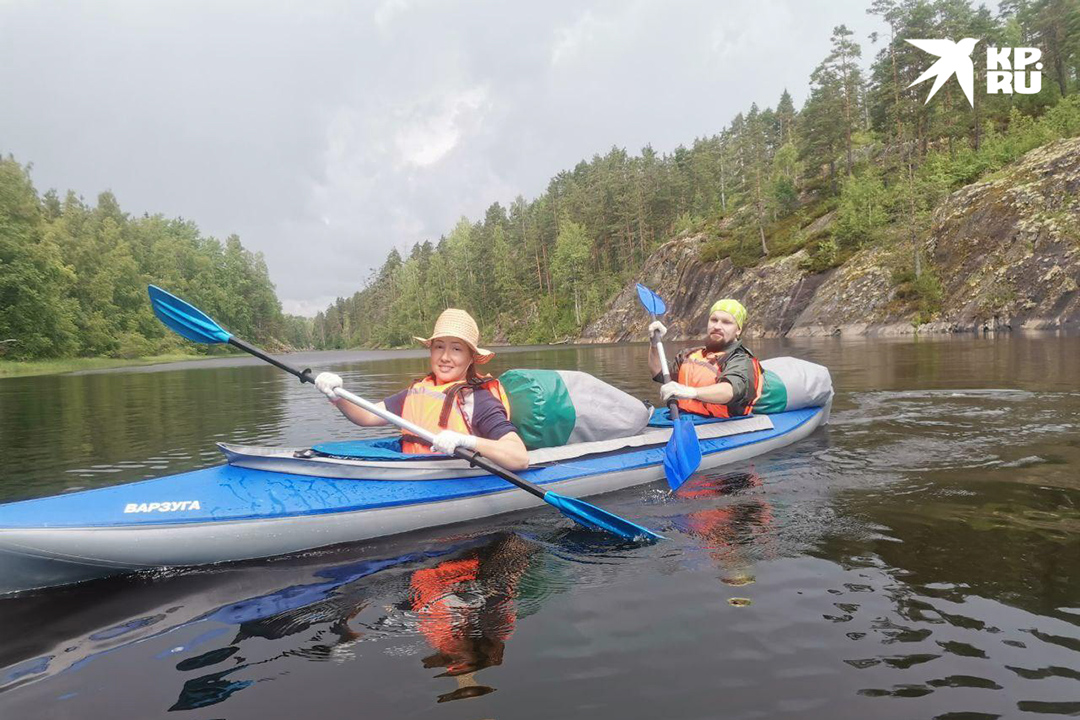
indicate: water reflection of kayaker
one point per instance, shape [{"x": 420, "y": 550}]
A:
[
  {"x": 721, "y": 378},
  {"x": 462, "y": 407},
  {"x": 732, "y": 533},
  {"x": 465, "y": 609}
]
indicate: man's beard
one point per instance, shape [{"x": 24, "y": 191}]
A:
[{"x": 714, "y": 346}]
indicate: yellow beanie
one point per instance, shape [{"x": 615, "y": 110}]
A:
[{"x": 734, "y": 307}]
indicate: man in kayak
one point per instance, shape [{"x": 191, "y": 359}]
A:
[
  {"x": 462, "y": 407},
  {"x": 720, "y": 379}
]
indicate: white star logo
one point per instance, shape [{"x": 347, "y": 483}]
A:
[{"x": 955, "y": 59}]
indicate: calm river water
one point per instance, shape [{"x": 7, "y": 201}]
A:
[{"x": 919, "y": 558}]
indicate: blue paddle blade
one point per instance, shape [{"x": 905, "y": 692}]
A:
[
  {"x": 185, "y": 319},
  {"x": 593, "y": 517},
  {"x": 652, "y": 302},
  {"x": 682, "y": 456}
]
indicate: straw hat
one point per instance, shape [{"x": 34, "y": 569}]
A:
[{"x": 459, "y": 324}]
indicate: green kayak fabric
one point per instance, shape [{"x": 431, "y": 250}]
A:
[
  {"x": 774, "y": 395},
  {"x": 540, "y": 407}
]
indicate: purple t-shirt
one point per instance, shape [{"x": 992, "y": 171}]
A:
[{"x": 489, "y": 419}]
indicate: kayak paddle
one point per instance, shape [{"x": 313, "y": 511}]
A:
[
  {"x": 193, "y": 324},
  {"x": 682, "y": 456}
]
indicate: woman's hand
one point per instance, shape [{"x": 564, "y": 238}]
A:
[
  {"x": 326, "y": 382},
  {"x": 447, "y": 441}
]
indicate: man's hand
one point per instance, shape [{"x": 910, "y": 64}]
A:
[{"x": 677, "y": 391}]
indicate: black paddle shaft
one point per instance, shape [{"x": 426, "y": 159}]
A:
[
  {"x": 477, "y": 460},
  {"x": 304, "y": 375},
  {"x": 672, "y": 403}
]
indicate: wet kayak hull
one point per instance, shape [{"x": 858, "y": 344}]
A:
[{"x": 228, "y": 513}]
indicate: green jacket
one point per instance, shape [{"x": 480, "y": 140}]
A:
[{"x": 736, "y": 369}]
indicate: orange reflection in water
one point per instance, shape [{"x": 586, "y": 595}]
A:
[
  {"x": 466, "y": 611},
  {"x": 733, "y": 535}
]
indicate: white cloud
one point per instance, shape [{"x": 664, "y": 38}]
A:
[
  {"x": 426, "y": 137},
  {"x": 571, "y": 40},
  {"x": 388, "y": 11},
  {"x": 309, "y": 307}
]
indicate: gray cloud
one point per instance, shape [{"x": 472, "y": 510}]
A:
[{"x": 326, "y": 133}]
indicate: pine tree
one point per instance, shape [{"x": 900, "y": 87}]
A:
[
  {"x": 843, "y": 61},
  {"x": 785, "y": 116},
  {"x": 756, "y": 163}
]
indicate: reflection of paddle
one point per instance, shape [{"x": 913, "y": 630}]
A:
[
  {"x": 683, "y": 452},
  {"x": 193, "y": 324}
]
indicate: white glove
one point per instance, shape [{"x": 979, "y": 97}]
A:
[
  {"x": 447, "y": 441},
  {"x": 657, "y": 325},
  {"x": 326, "y": 382},
  {"x": 677, "y": 390}
]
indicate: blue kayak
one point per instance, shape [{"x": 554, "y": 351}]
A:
[{"x": 271, "y": 501}]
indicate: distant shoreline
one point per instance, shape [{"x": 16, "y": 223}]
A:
[{"x": 28, "y": 368}]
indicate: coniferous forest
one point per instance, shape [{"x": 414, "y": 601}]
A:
[{"x": 864, "y": 145}]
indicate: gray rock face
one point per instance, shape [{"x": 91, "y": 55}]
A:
[{"x": 1005, "y": 250}]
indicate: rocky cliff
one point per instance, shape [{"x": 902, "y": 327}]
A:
[{"x": 1005, "y": 252}]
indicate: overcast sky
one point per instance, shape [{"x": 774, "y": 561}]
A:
[{"x": 326, "y": 133}]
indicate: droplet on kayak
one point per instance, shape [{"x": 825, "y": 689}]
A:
[{"x": 740, "y": 602}]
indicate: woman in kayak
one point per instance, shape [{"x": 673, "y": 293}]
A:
[
  {"x": 462, "y": 407},
  {"x": 720, "y": 379}
]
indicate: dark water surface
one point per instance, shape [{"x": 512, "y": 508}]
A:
[{"x": 919, "y": 558}]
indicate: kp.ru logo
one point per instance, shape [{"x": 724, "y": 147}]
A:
[{"x": 1003, "y": 75}]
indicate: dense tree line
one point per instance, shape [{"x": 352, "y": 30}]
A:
[
  {"x": 73, "y": 277},
  {"x": 864, "y": 144}
]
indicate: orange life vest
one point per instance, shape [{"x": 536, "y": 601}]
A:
[
  {"x": 448, "y": 406},
  {"x": 700, "y": 368}
]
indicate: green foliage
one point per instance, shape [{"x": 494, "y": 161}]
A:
[
  {"x": 741, "y": 247},
  {"x": 36, "y": 316},
  {"x": 824, "y": 254},
  {"x": 831, "y": 115},
  {"x": 296, "y": 332},
  {"x": 784, "y": 195},
  {"x": 1023, "y": 133},
  {"x": 923, "y": 293},
  {"x": 788, "y": 235},
  {"x": 687, "y": 224},
  {"x": 861, "y": 211},
  {"x": 73, "y": 278},
  {"x": 571, "y": 267},
  {"x": 133, "y": 345}
]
